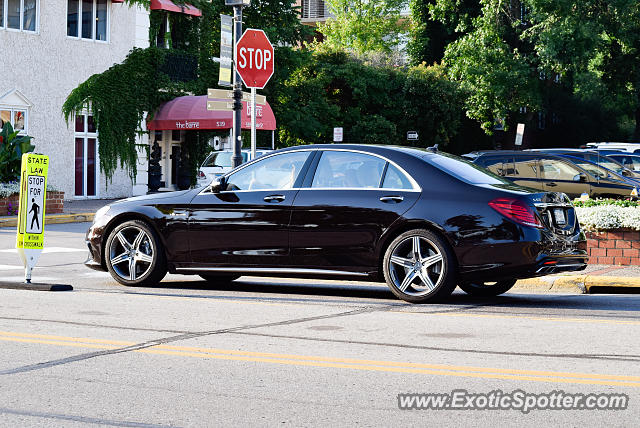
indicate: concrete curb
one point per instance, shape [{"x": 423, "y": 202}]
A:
[
  {"x": 35, "y": 286},
  {"x": 52, "y": 219},
  {"x": 576, "y": 284}
]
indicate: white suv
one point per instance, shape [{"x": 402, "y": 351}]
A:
[
  {"x": 623, "y": 147},
  {"x": 219, "y": 163}
]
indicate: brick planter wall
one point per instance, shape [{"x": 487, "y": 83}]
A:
[
  {"x": 616, "y": 247},
  {"x": 53, "y": 205}
]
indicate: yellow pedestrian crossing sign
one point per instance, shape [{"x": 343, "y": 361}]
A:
[{"x": 33, "y": 190}]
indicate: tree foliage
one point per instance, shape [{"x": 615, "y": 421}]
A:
[
  {"x": 374, "y": 105},
  {"x": 511, "y": 53},
  {"x": 12, "y": 147},
  {"x": 364, "y": 26}
]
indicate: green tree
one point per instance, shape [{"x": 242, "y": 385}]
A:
[
  {"x": 593, "y": 36},
  {"x": 534, "y": 53},
  {"x": 374, "y": 105},
  {"x": 435, "y": 25},
  {"x": 364, "y": 26}
]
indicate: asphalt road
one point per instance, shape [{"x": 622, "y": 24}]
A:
[{"x": 266, "y": 352}]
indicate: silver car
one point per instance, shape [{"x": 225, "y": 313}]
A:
[{"x": 219, "y": 163}]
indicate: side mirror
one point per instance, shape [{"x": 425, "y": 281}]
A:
[
  {"x": 218, "y": 185},
  {"x": 627, "y": 172},
  {"x": 581, "y": 178}
]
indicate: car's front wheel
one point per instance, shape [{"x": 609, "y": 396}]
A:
[
  {"x": 134, "y": 254},
  {"x": 419, "y": 267},
  {"x": 487, "y": 289}
]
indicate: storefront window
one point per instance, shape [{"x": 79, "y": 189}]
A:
[
  {"x": 86, "y": 156},
  {"x": 13, "y": 14},
  {"x": 88, "y": 19},
  {"x": 16, "y": 117},
  {"x": 20, "y": 14}
]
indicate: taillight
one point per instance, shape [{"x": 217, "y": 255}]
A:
[
  {"x": 516, "y": 210},
  {"x": 201, "y": 174}
]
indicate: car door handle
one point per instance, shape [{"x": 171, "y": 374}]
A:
[
  {"x": 395, "y": 199},
  {"x": 274, "y": 198},
  {"x": 551, "y": 184}
]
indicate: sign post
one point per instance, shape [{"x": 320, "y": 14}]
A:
[
  {"x": 338, "y": 134},
  {"x": 519, "y": 134},
  {"x": 254, "y": 63},
  {"x": 226, "y": 50},
  {"x": 33, "y": 188}
]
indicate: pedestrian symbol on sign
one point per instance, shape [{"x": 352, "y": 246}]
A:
[{"x": 35, "y": 208}]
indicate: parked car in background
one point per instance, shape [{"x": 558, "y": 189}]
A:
[
  {"x": 219, "y": 163},
  {"x": 423, "y": 222},
  {"x": 629, "y": 160},
  {"x": 625, "y": 147},
  {"x": 548, "y": 172},
  {"x": 593, "y": 156}
]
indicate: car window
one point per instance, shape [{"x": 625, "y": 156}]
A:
[
  {"x": 395, "y": 179},
  {"x": 274, "y": 172},
  {"x": 629, "y": 162},
  {"x": 221, "y": 159},
  {"x": 552, "y": 169},
  {"x": 592, "y": 169},
  {"x": 464, "y": 170},
  {"x": 338, "y": 169},
  {"x": 494, "y": 164},
  {"x": 523, "y": 167}
]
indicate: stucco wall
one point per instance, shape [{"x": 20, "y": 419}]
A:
[{"x": 46, "y": 66}]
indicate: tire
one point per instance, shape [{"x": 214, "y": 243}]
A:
[
  {"x": 426, "y": 275},
  {"x": 134, "y": 244},
  {"x": 219, "y": 279},
  {"x": 487, "y": 289}
]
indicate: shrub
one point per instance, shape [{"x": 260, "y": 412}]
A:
[{"x": 12, "y": 147}]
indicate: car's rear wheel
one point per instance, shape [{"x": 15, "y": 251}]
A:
[
  {"x": 219, "y": 279},
  {"x": 419, "y": 267},
  {"x": 479, "y": 288},
  {"x": 134, "y": 254}
]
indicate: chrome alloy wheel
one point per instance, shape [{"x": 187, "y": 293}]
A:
[
  {"x": 415, "y": 266},
  {"x": 131, "y": 254}
]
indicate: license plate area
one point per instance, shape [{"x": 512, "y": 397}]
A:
[{"x": 559, "y": 217}]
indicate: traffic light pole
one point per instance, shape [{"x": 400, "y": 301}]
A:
[{"x": 236, "y": 159}]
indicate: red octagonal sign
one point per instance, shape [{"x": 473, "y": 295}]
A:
[{"x": 254, "y": 58}]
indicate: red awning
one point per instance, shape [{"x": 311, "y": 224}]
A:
[
  {"x": 190, "y": 113},
  {"x": 172, "y": 7}
]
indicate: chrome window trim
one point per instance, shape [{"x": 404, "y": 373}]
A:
[{"x": 415, "y": 186}]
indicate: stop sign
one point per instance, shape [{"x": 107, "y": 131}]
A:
[{"x": 254, "y": 58}]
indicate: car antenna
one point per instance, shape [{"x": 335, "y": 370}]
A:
[{"x": 433, "y": 148}]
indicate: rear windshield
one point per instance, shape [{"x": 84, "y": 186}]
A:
[{"x": 464, "y": 170}]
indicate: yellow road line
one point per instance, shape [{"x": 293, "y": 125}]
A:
[
  {"x": 330, "y": 362},
  {"x": 521, "y": 317}
]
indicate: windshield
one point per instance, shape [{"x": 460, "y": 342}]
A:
[
  {"x": 464, "y": 169},
  {"x": 221, "y": 159}
]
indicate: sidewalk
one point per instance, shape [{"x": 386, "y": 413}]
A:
[{"x": 594, "y": 279}]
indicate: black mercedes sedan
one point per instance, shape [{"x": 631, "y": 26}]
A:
[{"x": 422, "y": 221}]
